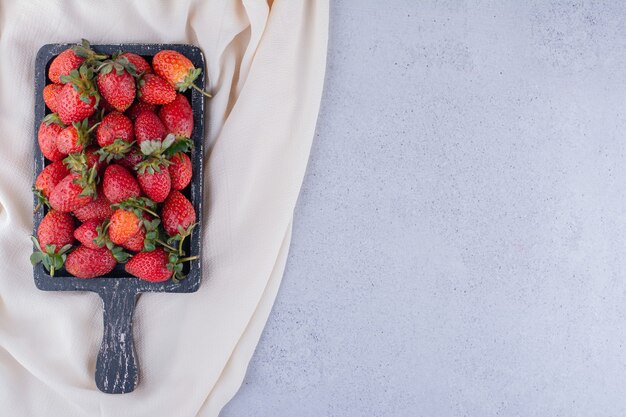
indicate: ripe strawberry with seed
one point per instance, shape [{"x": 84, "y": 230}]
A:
[
  {"x": 180, "y": 171},
  {"x": 116, "y": 84},
  {"x": 136, "y": 242},
  {"x": 50, "y": 93},
  {"x": 86, "y": 233},
  {"x": 141, "y": 65},
  {"x": 63, "y": 64},
  {"x": 71, "y": 59},
  {"x": 50, "y": 127},
  {"x": 98, "y": 209},
  {"x": 177, "y": 212},
  {"x": 177, "y": 69},
  {"x": 122, "y": 226},
  {"x": 49, "y": 177},
  {"x": 131, "y": 159},
  {"x": 150, "y": 266},
  {"x": 56, "y": 228},
  {"x": 153, "y": 89},
  {"x": 148, "y": 126},
  {"x": 155, "y": 182},
  {"x": 84, "y": 262},
  {"x": 114, "y": 125},
  {"x": 177, "y": 117},
  {"x": 78, "y": 98},
  {"x": 119, "y": 184},
  {"x": 74, "y": 138},
  {"x": 139, "y": 107},
  {"x": 73, "y": 192},
  {"x": 54, "y": 238},
  {"x": 84, "y": 161}
]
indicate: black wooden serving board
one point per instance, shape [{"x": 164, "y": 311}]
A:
[{"x": 116, "y": 365}]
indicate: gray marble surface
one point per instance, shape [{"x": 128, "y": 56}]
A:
[{"x": 459, "y": 241}]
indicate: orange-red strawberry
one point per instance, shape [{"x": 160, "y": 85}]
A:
[
  {"x": 49, "y": 177},
  {"x": 180, "y": 171},
  {"x": 150, "y": 266},
  {"x": 177, "y": 212},
  {"x": 56, "y": 228},
  {"x": 54, "y": 239},
  {"x": 177, "y": 69},
  {"x": 122, "y": 226},
  {"x": 119, "y": 184},
  {"x": 141, "y": 65},
  {"x": 114, "y": 125},
  {"x": 98, "y": 209},
  {"x": 86, "y": 233},
  {"x": 63, "y": 64},
  {"x": 84, "y": 262},
  {"x": 148, "y": 126},
  {"x": 72, "y": 193},
  {"x": 50, "y": 96},
  {"x": 49, "y": 129},
  {"x": 136, "y": 242},
  {"x": 155, "y": 183},
  {"x": 71, "y": 107},
  {"x": 177, "y": 117},
  {"x": 155, "y": 90},
  {"x": 116, "y": 85},
  {"x": 139, "y": 107},
  {"x": 74, "y": 138}
]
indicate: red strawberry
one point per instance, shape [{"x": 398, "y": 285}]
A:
[
  {"x": 141, "y": 65},
  {"x": 71, "y": 107},
  {"x": 177, "y": 211},
  {"x": 85, "y": 160},
  {"x": 148, "y": 126},
  {"x": 98, "y": 209},
  {"x": 180, "y": 171},
  {"x": 119, "y": 184},
  {"x": 86, "y": 233},
  {"x": 116, "y": 85},
  {"x": 177, "y": 117},
  {"x": 74, "y": 138},
  {"x": 131, "y": 159},
  {"x": 84, "y": 262},
  {"x": 155, "y": 183},
  {"x": 155, "y": 90},
  {"x": 49, "y": 129},
  {"x": 72, "y": 193},
  {"x": 122, "y": 226},
  {"x": 139, "y": 107},
  {"x": 56, "y": 228},
  {"x": 135, "y": 243},
  {"x": 150, "y": 266},
  {"x": 50, "y": 176},
  {"x": 63, "y": 64},
  {"x": 114, "y": 125},
  {"x": 50, "y": 93},
  {"x": 177, "y": 69}
]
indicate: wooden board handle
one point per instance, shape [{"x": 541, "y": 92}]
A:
[{"x": 116, "y": 366}]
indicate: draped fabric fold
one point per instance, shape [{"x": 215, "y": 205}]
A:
[{"x": 265, "y": 66}]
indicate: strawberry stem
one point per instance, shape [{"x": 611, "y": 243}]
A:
[
  {"x": 189, "y": 258},
  {"x": 201, "y": 91},
  {"x": 160, "y": 242}
]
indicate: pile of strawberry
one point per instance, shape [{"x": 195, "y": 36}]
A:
[{"x": 117, "y": 140}]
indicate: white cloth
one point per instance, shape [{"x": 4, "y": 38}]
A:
[{"x": 265, "y": 67}]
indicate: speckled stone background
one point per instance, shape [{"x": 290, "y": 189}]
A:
[{"x": 459, "y": 245}]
